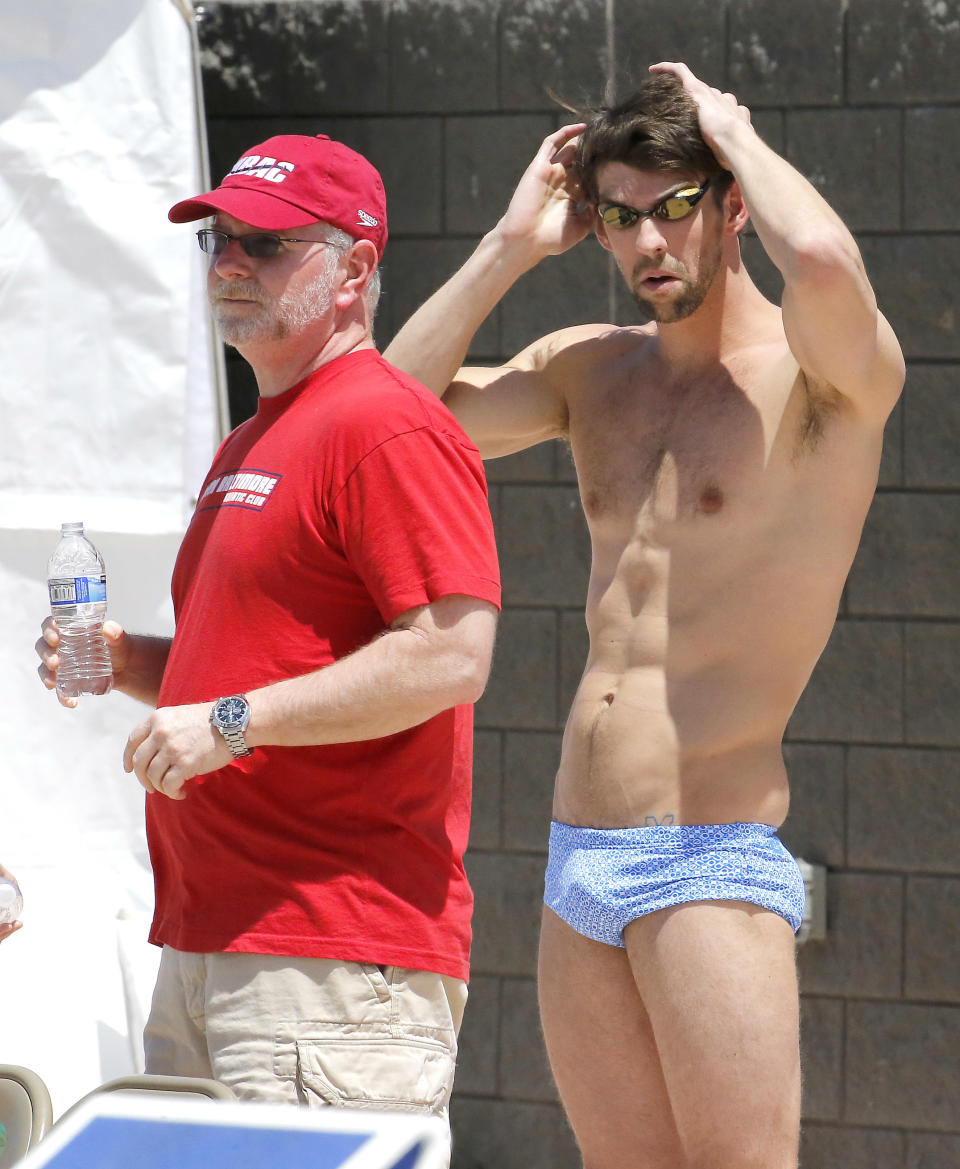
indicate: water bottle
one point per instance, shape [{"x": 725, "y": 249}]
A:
[
  {"x": 78, "y": 601},
  {"x": 11, "y": 901}
]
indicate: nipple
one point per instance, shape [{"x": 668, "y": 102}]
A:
[{"x": 711, "y": 499}]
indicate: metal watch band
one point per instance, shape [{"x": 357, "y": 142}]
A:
[{"x": 236, "y": 742}]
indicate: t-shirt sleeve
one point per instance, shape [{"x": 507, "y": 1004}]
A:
[{"x": 414, "y": 522}]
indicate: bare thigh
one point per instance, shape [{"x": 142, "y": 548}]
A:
[
  {"x": 718, "y": 980},
  {"x": 603, "y": 1053}
]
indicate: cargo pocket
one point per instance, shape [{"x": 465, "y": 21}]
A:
[{"x": 363, "y": 1071}]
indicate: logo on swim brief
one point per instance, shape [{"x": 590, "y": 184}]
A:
[{"x": 246, "y": 487}]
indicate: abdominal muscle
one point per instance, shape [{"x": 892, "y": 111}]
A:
[{"x": 652, "y": 740}]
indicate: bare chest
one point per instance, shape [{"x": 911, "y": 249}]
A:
[{"x": 663, "y": 456}]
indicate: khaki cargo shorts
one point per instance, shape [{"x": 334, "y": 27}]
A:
[{"x": 309, "y": 1031}]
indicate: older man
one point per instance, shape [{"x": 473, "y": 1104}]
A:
[{"x": 308, "y": 761}]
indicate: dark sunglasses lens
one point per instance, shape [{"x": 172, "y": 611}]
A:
[
  {"x": 260, "y": 245},
  {"x": 211, "y": 242}
]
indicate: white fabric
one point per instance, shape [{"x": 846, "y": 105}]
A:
[
  {"x": 98, "y": 138},
  {"x": 102, "y": 332}
]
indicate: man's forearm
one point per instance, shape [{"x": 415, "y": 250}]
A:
[
  {"x": 433, "y": 658},
  {"x": 433, "y": 344},
  {"x": 398, "y": 681},
  {"x": 544, "y": 218},
  {"x": 795, "y": 224},
  {"x": 142, "y": 672}
]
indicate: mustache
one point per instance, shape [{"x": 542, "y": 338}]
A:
[
  {"x": 674, "y": 267},
  {"x": 237, "y": 290}
]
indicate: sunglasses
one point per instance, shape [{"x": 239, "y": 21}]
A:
[
  {"x": 258, "y": 245},
  {"x": 677, "y": 205}
]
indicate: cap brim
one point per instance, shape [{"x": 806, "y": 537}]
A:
[{"x": 253, "y": 207}]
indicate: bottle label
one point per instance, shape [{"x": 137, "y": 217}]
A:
[{"x": 77, "y": 590}]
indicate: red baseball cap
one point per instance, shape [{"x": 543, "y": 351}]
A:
[{"x": 292, "y": 180}]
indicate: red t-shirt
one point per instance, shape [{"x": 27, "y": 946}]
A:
[{"x": 343, "y": 503}]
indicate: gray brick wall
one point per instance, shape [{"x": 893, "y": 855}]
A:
[{"x": 449, "y": 100}]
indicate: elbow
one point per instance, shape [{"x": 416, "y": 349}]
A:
[
  {"x": 823, "y": 256},
  {"x": 470, "y": 676},
  {"x": 477, "y": 684},
  {"x": 473, "y": 679}
]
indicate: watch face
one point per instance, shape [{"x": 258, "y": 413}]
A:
[{"x": 231, "y": 711}]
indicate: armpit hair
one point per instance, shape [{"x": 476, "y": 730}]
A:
[{"x": 820, "y": 401}]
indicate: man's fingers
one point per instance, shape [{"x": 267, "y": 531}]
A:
[
  {"x": 554, "y": 144},
  {"x": 154, "y": 768},
  {"x": 46, "y": 647},
  {"x": 171, "y": 786},
  {"x": 46, "y": 650},
  {"x": 676, "y": 67},
  {"x": 136, "y": 737},
  {"x": 46, "y": 677}
]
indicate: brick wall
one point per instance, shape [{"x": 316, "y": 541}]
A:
[{"x": 448, "y": 99}]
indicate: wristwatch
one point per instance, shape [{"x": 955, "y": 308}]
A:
[{"x": 230, "y": 716}]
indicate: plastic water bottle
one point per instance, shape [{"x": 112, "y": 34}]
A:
[
  {"x": 78, "y": 601},
  {"x": 11, "y": 901}
]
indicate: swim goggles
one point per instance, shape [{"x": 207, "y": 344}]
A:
[{"x": 677, "y": 205}]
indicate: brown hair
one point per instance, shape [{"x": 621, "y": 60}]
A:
[{"x": 655, "y": 128}]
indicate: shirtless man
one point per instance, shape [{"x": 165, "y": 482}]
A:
[{"x": 727, "y": 453}]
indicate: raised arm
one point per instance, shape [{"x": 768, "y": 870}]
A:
[
  {"x": 517, "y": 408},
  {"x": 830, "y": 314}
]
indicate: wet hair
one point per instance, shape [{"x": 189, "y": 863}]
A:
[{"x": 655, "y": 128}]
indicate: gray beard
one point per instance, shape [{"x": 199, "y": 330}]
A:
[{"x": 275, "y": 318}]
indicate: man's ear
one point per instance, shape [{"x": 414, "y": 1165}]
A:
[
  {"x": 600, "y": 231},
  {"x": 361, "y": 263},
  {"x": 736, "y": 215}
]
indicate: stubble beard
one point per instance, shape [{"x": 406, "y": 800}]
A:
[
  {"x": 275, "y": 318},
  {"x": 689, "y": 298}
]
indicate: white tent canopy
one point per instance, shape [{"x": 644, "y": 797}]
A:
[{"x": 109, "y": 416}]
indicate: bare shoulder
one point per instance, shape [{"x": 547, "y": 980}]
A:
[
  {"x": 582, "y": 351},
  {"x": 528, "y": 399}
]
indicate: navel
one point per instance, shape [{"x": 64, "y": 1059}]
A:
[{"x": 711, "y": 499}]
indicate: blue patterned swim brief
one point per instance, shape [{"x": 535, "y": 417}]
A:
[{"x": 600, "y": 879}]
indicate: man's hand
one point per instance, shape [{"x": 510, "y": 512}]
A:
[
  {"x": 720, "y": 113},
  {"x": 48, "y": 644},
  {"x": 173, "y": 745},
  {"x": 547, "y": 208}
]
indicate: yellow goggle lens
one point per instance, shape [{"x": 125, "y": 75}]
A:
[{"x": 680, "y": 203}]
